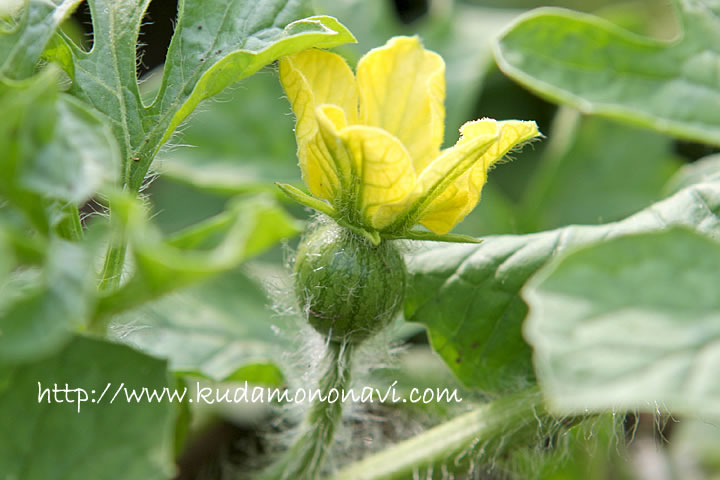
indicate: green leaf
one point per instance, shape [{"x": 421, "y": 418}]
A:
[
  {"x": 591, "y": 64},
  {"x": 55, "y": 149},
  {"x": 596, "y": 171},
  {"x": 39, "y": 309},
  {"x": 212, "y": 247},
  {"x": 42, "y": 305},
  {"x": 22, "y": 45},
  {"x": 467, "y": 295},
  {"x": 105, "y": 77},
  {"x": 96, "y": 439},
  {"x": 632, "y": 323},
  {"x": 221, "y": 330},
  {"x": 210, "y": 50},
  {"x": 80, "y": 158}
]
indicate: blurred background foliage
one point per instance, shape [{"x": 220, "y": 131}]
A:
[{"x": 588, "y": 170}]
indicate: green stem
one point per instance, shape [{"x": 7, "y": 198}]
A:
[
  {"x": 488, "y": 428},
  {"x": 114, "y": 259},
  {"x": 133, "y": 178},
  {"x": 70, "y": 227},
  {"x": 306, "y": 457},
  {"x": 110, "y": 276}
]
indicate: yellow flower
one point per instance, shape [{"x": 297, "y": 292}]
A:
[{"x": 371, "y": 144}]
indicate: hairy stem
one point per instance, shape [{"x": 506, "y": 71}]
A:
[
  {"x": 70, "y": 227},
  {"x": 110, "y": 277},
  {"x": 306, "y": 457},
  {"x": 457, "y": 444},
  {"x": 112, "y": 270},
  {"x": 113, "y": 266}
]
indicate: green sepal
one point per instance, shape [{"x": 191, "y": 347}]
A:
[
  {"x": 316, "y": 204},
  {"x": 431, "y": 237},
  {"x": 306, "y": 200},
  {"x": 373, "y": 235}
]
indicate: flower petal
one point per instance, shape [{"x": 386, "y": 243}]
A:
[
  {"x": 331, "y": 119},
  {"x": 402, "y": 90},
  {"x": 311, "y": 78},
  {"x": 385, "y": 171},
  {"x": 438, "y": 180},
  {"x": 453, "y": 205}
]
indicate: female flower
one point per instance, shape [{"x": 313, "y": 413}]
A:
[
  {"x": 369, "y": 151},
  {"x": 371, "y": 144}
]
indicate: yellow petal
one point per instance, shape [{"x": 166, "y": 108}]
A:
[
  {"x": 402, "y": 90},
  {"x": 385, "y": 173},
  {"x": 436, "y": 184},
  {"x": 331, "y": 120},
  {"x": 312, "y": 78},
  {"x": 512, "y": 133},
  {"x": 453, "y": 205}
]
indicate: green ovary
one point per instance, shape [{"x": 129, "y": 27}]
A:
[{"x": 349, "y": 288}]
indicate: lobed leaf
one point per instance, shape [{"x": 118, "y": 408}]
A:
[{"x": 105, "y": 77}]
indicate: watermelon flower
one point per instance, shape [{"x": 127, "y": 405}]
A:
[{"x": 369, "y": 145}]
